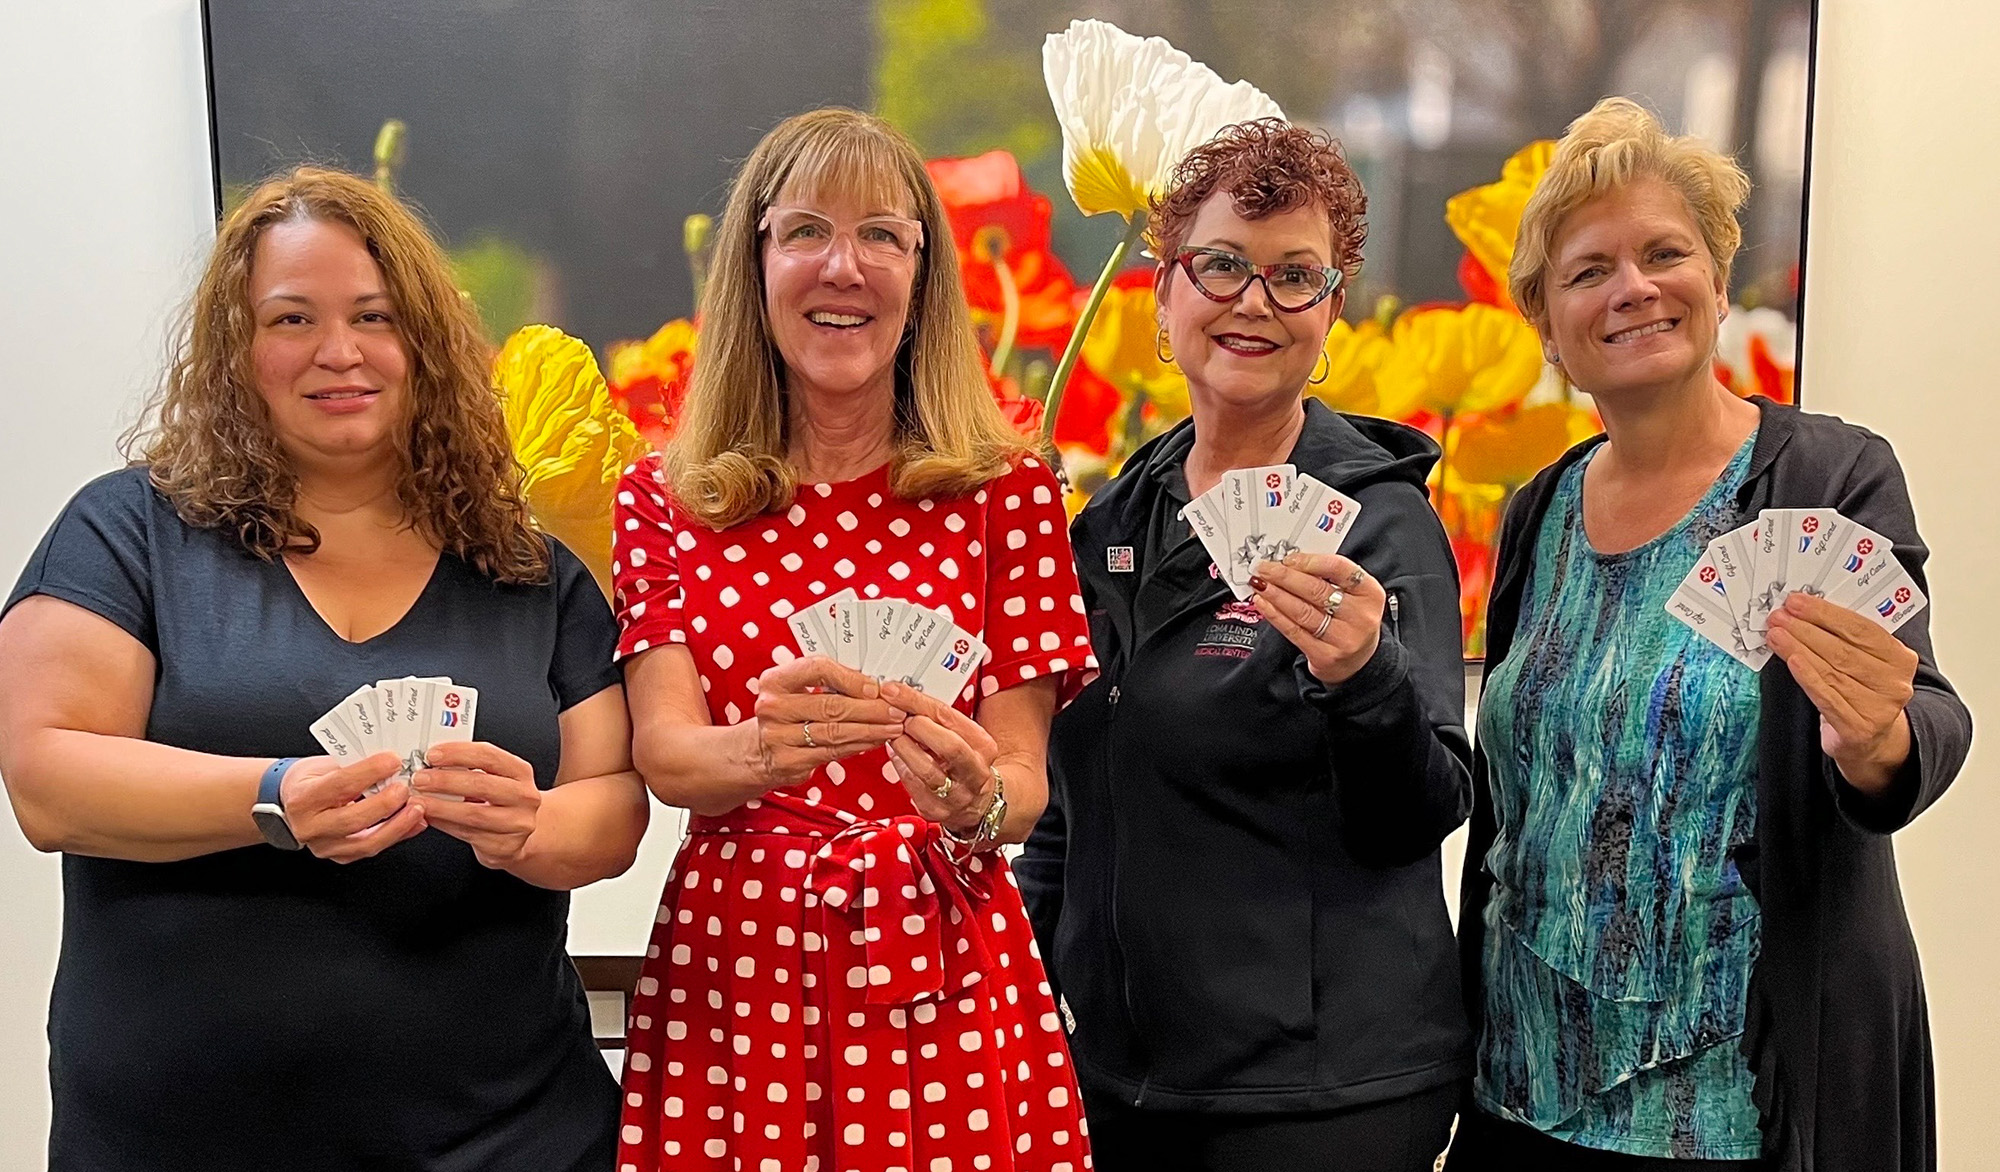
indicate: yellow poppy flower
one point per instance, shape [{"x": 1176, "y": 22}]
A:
[
  {"x": 1123, "y": 348},
  {"x": 1487, "y": 218},
  {"x": 1507, "y": 447},
  {"x": 1457, "y": 359},
  {"x": 572, "y": 443},
  {"x": 1353, "y": 355}
]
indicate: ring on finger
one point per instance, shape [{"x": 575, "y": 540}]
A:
[
  {"x": 1354, "y": 579},
  {"x": 1325, "y": 621},
  {"x": 1334, "y": 597},
  {"x": 942, "y": 789},
  {"x": 807, "y": 728}
]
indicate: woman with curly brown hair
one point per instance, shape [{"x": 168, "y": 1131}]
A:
[
  {"x": 1237, "y": 885},
  {"x": 370, "y": 972}
]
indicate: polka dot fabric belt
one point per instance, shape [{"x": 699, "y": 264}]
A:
[{"x": 910, "y": 905}]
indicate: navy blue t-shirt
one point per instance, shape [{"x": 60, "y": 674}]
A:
[{"x": 259, "y": 1008}]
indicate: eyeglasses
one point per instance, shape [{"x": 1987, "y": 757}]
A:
[
  {"x": 878, "y": 240},
  {"x": 1221, "y": 275}
]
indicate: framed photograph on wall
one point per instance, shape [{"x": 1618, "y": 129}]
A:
[{"x": 570, "y": 153}]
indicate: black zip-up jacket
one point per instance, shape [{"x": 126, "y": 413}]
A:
[
  {"x": 1837, "y": 1035},
  {"x": 1237, "y": 887}
]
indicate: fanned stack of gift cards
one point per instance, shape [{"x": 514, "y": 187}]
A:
[
  {"x": 404, "y": 716},
  {"x": 890, "y": 639},
  {"x": 1729, "y": 595},
  {"x": 1254, "y": 514}
]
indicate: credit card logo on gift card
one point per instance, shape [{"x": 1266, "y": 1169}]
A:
[
  {"x": 1274, "y": 490},
  {"x": 1331, "y": 517},
  {"x": 956, "y": 655},
  {"x": 402, "y": 716},
  {"x": 1859, "y": 557},
  {"x": 1755, "y": 568}
]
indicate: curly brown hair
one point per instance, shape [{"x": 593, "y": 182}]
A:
[
  {"x": 1267, "y": 166},
  {"x": 207, "y": 435}
]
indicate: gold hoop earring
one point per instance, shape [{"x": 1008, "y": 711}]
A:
[
  {"x": 1318, "y": 377},
  {"x": 1162, "y": 349}
]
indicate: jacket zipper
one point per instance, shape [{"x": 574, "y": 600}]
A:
[
  {"x": 1117, "y": 940},
  {"x": 1395, "y": 616}
]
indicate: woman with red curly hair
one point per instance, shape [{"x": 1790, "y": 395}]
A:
[
  {"x": 1237, "y": 885},
  {"x": 271, "y": 957}
]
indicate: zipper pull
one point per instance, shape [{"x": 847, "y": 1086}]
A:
[
  {"x": 1114, "y": 695},
  {"x": 1396, "y": 615}
]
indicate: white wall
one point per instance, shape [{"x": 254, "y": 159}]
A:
[
  {"x": 106, "y": 209},
  {"x": 1899, "y": 337}
]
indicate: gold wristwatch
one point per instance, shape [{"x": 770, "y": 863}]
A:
[
  {"x": 996, "y": 812},
  {"x": 987, "y": 832}
]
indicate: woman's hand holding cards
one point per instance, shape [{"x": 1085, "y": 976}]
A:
[
  {"x": 1859, "y": 676},
  {"x": 944, "y": 758},
  {"x": 333, "y": 814},
  {"x": 498, "y": 801},
  {"x": 1329, "y": 607},
  {"x": 811, "y": 711}
]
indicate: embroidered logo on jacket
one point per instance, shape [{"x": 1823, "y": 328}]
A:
[{"x": 1232, "y": 634}]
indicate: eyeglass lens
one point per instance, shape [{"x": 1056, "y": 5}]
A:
[
  {"x": 807, "y": 234},
  {"x": 1224, "y": 276}
]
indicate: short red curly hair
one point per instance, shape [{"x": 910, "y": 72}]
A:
[{"x": 1266, "y": 166}]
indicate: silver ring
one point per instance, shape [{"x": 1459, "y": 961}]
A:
[
  {"x": 807, "y": 728},
  {"x": 1354, "y": 579},
  {"x": 1334, "y": 598}
]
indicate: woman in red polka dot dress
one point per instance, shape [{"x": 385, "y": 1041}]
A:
[{"x": 842, "y": 976}]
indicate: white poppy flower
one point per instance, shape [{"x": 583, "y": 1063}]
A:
[{"x": 1131, "y": 108}]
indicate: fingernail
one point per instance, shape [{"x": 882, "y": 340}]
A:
[{"x": 1258, "y": 584}]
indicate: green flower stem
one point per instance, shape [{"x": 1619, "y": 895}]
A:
[
  {"x": 392, "y": 147},
  {"x": 1074, "y": 350},
  {"x": 1010, "y": 315}
]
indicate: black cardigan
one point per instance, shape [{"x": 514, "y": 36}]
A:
[{"x": 1837, "y": 1036}]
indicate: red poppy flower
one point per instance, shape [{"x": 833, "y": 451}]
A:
[
  {"x": 997, "y": 219},
  {"x": 1480, "y": 285},
  {"x": 1023, "y": 413},
  {"x": 649, "y": 379}
]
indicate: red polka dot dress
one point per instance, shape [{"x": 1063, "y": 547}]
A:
[{"x": 825, "y": 990}]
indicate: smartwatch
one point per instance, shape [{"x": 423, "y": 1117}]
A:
[{"x": 269, "y": 812}]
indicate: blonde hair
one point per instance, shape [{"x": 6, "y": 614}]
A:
[
  {"x": 727, "y": 460},
  {"x": 1617, "y": 142}
]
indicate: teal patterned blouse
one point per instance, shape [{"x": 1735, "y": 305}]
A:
[{"x": 1620, "y": 936}]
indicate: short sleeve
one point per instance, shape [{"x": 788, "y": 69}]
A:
[
  {"x": 586, "y": 633},
  {"x": 1035, "y": 621},
  {"x": 645, "y": 561},
  {"x": 98, "y": 555}
]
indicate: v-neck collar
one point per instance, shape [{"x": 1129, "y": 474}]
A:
[{"x": 430, "y": 584}]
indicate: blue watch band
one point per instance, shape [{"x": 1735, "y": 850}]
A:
[{"x": 274, "y": 776}]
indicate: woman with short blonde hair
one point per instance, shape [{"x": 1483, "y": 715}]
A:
[
  {"x": 842, "y": 974},
  {"x": 1681, "y": 934}
]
